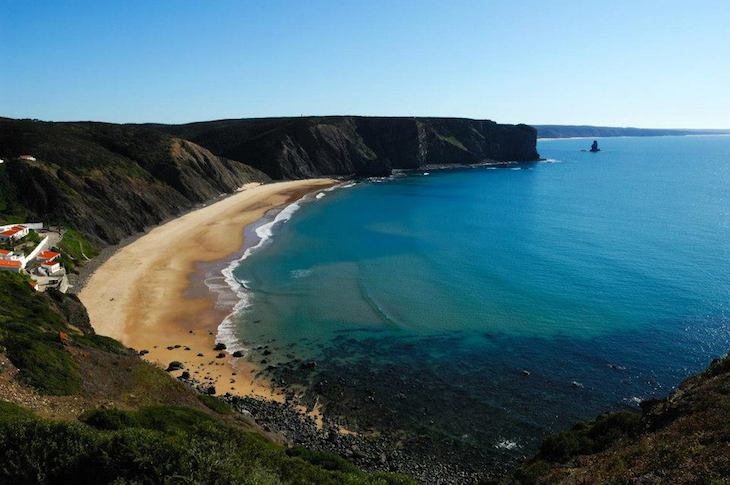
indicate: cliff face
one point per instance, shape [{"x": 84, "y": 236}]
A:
[
  {"x": 109, "y": 181},
  {"x": 681, "y": 439},
  {"x": 291, "y": 148}
]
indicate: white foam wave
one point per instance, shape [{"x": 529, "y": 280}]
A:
[
  {"x": 238, "y": 294},
  {"x": 505, "y": 444},
  {"x": 226, "y": 329}
]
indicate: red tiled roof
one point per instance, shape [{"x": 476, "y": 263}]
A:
[
  {"x": 4, "y": 251},
  {"x": 33, "y": 284},
  {"x": 48, "y": 255},
  {"x": 9, "y": 263},
  {"x": 50, "y": 263},
  {"x": 13, "y": 230}
]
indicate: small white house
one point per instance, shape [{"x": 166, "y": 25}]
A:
[
  {"x": 50, "y": 267},
  {"x": 27, "y": 157},
  {"x": 14, "y": 233},
  {"x": 10, "y": 255}
]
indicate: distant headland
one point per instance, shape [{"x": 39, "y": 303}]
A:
[{"x": 587, "y": 131}]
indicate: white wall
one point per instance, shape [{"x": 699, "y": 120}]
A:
[
  {"x": 41, "y": 246},
  {"x": 30, "y": 225}
]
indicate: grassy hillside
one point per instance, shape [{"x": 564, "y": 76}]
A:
[
  {"x": 107, "y": 181},
  {"x": 76, "y": 407},
  {"x": 157, "y": 444}
]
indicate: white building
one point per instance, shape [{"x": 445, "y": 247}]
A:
[
  {"x": 47, "y": 256},
  {"x": 50, "y": 267},
  {"x": 27, "y": 157},
  {"x": 14, "y": 233},
  {"x": 10, "y": 265},
  {"x": 10, "y": 255}
]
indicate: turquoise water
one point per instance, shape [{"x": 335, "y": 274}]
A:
[{"x": 606, "y": 276}]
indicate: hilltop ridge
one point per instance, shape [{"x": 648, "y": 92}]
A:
[
  {"x": 312, "y": 146},
  {"x": 111, "y": 181}
]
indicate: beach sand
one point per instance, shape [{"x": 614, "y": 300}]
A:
[{"x": 141, "y": 296}]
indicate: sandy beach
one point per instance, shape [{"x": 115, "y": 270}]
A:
[{"x": 141, "y": 296}]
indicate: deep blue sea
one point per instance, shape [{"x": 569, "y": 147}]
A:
[{"x": 606, "y": 276}]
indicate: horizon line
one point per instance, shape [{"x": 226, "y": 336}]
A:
[{"x": 577, "y": 125}]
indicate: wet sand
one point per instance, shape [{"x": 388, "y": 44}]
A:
[{"x": 142, "y": 294}]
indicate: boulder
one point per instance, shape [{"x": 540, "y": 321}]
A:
[{"x": 174, "y": 365}]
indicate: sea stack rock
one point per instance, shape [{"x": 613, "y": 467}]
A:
[{"x": 594, "y": 147}]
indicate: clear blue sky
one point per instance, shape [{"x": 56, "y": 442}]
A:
[{"x": 623, "y": 63}]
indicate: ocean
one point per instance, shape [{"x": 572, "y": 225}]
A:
[{"x": 484, "y": 308}]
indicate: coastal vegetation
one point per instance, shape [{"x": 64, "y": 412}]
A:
[
  {"x": 76, "y": 249},
  {"x": 29, "y": 329},
  {"x": 137, "y": 425},
  {"x": 680, "y": 439},
  {"x": 157, "y": 444}
]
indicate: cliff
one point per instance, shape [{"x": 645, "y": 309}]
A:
[
  {"x": 291, "y": 148},
  {"x": 681, "y": 439},
  {"x": 109, "y": 181}
]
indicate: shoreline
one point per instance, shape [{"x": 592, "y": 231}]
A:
[{"x": 144, "y": 293}]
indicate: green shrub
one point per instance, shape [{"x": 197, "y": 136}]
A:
[
  {"x": 101, "y": 342},
  {"x": 12, "y": 412},
  {"x": 589, "y": 438},
  {"x": 215, "y": 404},
  {"x": 327, "y": 461},
  {"x": 109, "y": 419},
  {"x": 529, "y": 474},
  {"x": 28, "y": 330},
  {"x": 75, "y": 249},
  {"x": 160, "y": 444},
  {"x": 168, "y": 419},
  {"x": 718, "y": 367},
  {"x": 23, "y": 307},
  {"x": 44, "y": 364},
  {"x": 33, "y": 237}
]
